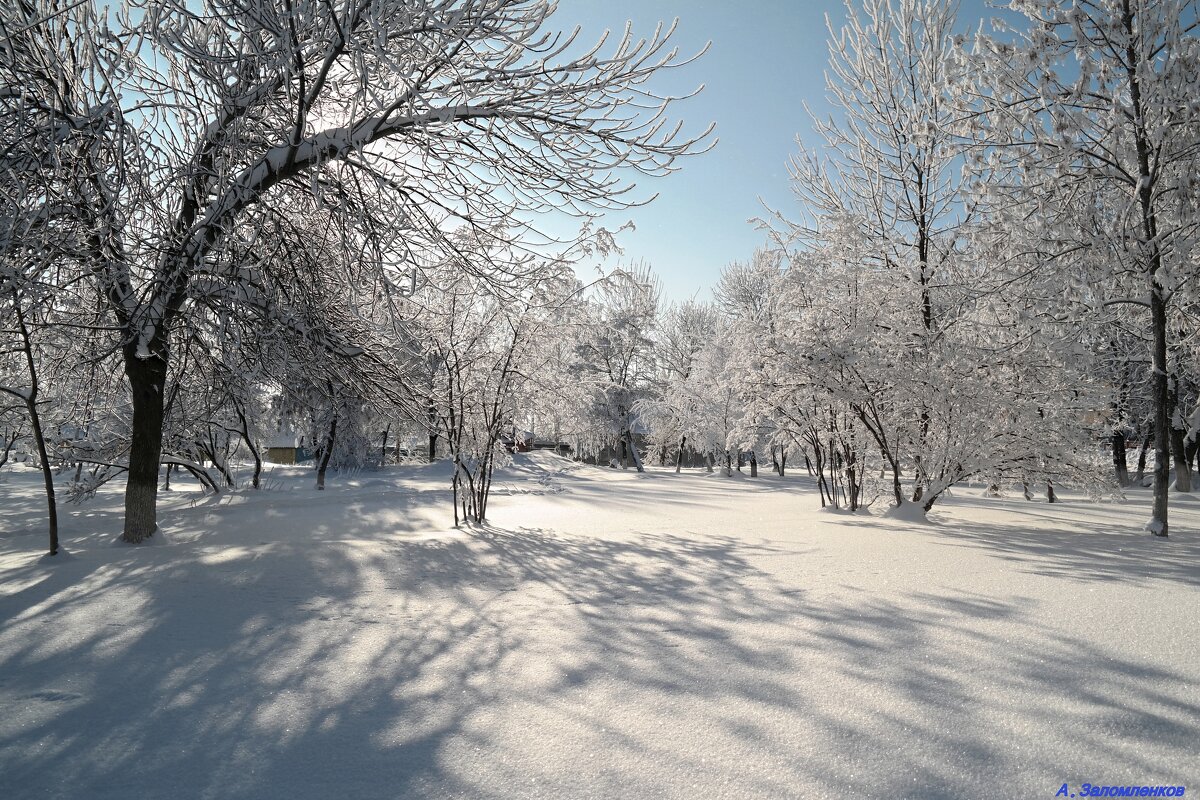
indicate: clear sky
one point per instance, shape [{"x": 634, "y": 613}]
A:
[{"x": 767, "y": 59}]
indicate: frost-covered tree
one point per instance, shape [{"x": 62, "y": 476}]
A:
[
  {"x": 748, "y": 295},
  {"x": 901, "y": 331},
  {"x": 1098, "y": 100},
  {"x": 21, "y": 314},
  {"x": 676, "y": 414},
  {"x": 60, "y": 148},
  {"x": 887, "y": 213},
  {"x": 485, "y": 338},
  {"x": 390, "y": 116},
  {"x": 614, "y": 355}
]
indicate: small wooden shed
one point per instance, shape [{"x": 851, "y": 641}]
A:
[{"x": 286, "y": 447}]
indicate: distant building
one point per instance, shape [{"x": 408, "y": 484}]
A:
[{"x": 287, "y": 447}]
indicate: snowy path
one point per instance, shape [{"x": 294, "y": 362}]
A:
[{"x": 609, "y": 636}]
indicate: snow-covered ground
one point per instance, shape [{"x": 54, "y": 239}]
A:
[{"x": 609, "y": 635}]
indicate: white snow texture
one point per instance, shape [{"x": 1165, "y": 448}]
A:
[{"x": 604, "y": 636}]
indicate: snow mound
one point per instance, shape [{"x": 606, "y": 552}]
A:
[
  {"x": 907, "y": 512},
  {"x": 158, "y": 539}
]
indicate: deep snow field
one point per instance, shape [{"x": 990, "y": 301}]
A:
[{"x": 608, "y": 635}]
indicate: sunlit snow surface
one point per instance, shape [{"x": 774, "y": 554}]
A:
[{"x": 608, "y": 635}]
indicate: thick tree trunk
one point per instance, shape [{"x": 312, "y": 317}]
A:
[
  {"x": 1051, "y": 497},
  {"x": 753, "y": 465},
  {"x": 679, "y": 453},
  {"x": 1162, "y": 410},
  {"x": 1134, "y": 61},
  {"x": 326, "y": 452},
  {"x": 782, "y": 462},
  {"x": 433, "y": 437},
  {"x": 147, "y": 377},
  {"x": 1120, "y": 463}
]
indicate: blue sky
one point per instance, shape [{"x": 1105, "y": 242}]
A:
[{"x": 767, "y": 59}]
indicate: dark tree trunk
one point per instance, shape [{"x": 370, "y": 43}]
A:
[
  {"x": 431, "y": 415},
  {"x": 147, "y": 377},
  {"x": 633, "y": 453},
  {"x": 679, "y": 453},
  {"x": 10, "y": 440},
  {"x": 782, "y": 462},
  {"x": 897, "y": 488},
  {"x": 1051, "y": 497},
  {"x": 1120, "y": 463},
  {"x": 1160, "y": 387},
  {"x": 47, "y": 474},
  {"x": 753, "y": 464},
  {"x": 383, "y": 447},
  {"x": 35, "y": 421},
  {"x": 1141, "y": 464},
  {"x": 825, "y": 488},
  {"x": 454, "y": 489},
  {"x": 256, "y": 480},
  {"x": 1162, "y": 410},
  {"x": 326, "y": 452}
]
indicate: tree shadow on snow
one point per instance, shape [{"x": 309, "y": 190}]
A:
[{"x": 520, "y": 662}]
